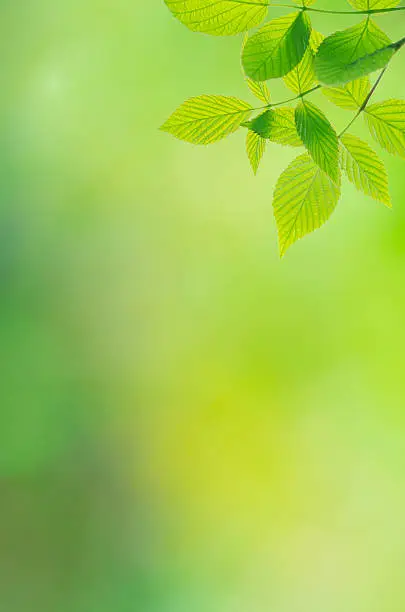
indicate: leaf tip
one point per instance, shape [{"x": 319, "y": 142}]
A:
[
  {"x": 163, "y": 127},
  {"x": 282, "y": 248}
]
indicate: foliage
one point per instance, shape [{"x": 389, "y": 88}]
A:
[{"x": 339, "y": 65}]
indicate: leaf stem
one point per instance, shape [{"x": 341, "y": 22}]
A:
[
  {"x": 305, "y": 93},
  {"x": 366, "y": 101},
  {"x": 302, "y": 95},
  {"x": 327, "y": 12},
  {"x": 367, "y": 12},
  {"x": 399, "y": 44}
]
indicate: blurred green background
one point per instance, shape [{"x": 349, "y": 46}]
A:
[{"x": 187, "y": 423}]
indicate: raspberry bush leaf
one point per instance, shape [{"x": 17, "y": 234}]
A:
[
  {"x": 277, "y": 125},
  {"x": 353, "y": 53},
  {"x": 366, "y": 5},
  {"x": 351, "y": 96},
  {"x": 260, "y": 90},
  {"x": 304, "y": 199},
  {"x": 255, "y": 148},
  {"x": 219, "y": 17},
  {"x": 277, "y": 47},
  {"x": 364, "y": 168},
  {"x": 319, "y": 138},
  {"x": 386, "y": 122},
  {"x": 207, "y": 119}
]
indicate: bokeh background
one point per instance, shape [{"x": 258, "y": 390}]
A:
[{"x": 187, "y": 423}]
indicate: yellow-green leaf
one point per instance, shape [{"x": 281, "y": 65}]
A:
[
  {"x": 255, "y": 148},
  {"x": 219, "y": 17},
  {"x": 367, "y": 5},
  {"x": 302, "y": 77},
  {"x": 206, "y": 119},
  {"x": 283, "y": 129},
  {"x": 353, "y": 53},
  {"x": 304, "y": 199},
  {"x": 319, "y": 138},
  {"x": 351, "y": 96},
  {"x": 386, "y": 122},
  {"x": 364, "y": 168},
  {"x": 315, "y": 40},
  {"x": 260, "y": 90},
  {"x": 277, "y": 47},
  {"x": 277, "y": 125}
]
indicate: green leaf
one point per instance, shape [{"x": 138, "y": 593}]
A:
[
  {"x": 219, "y": 17},
  {"x": 302, "y": 77},
  {"x": 351, "y": 96},
  {"x": 367, "y": 5},
  {"x": 277, "y": 47},
  {"x": 261, "y": 124},
  {"x": 206, "y": 119},
  {"x": 277, "y": 125},
  {"x": 364, "y": 168},
  {"x": 283, "y": 129},
  {"x": 260, "y": 90},
  {"x": 353, "y": 53},
  {"x": 386, "y": 122},
  {"x": 255, "y": 148},
  {"x": 368, "y": 63},
  {"x": 319, "y": 138},
  {"x": 315, "y": 40},
  {"x": 304, "y": 199}
]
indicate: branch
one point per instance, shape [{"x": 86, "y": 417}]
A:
[
  {"x": 366, "y": 101},
  {"x": 368, "y": 12},
  {"x": 302, "y": 95},
  {"x": 327, "y": 12}
]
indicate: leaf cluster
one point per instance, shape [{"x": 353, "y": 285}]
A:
[{"x": 339, "y": 66}]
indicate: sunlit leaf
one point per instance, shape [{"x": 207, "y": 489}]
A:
[
  {"x": 353, "y": 53},
  {"x": 304, "y": 199},
  {"x": 351, "y": 96},
  {"x": 315, "y": 40},
  {"x": 283, "y": 129},
  {"x": 219, "y": 17},
  {"x": 364, "y": 168},
  {"x": 319, "y": 138},
  {"x": 260, "y": 90},
  {"x": 367, "y": 5},
  {"x": 206, "y": 119},
  {"x": 255, "y": 148},
  {"x": 386, "y": 122},
  {"x": 277, "y": 47},
  {"x": 277, "y": 125},
  {"x": 302, "y": 77}
]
